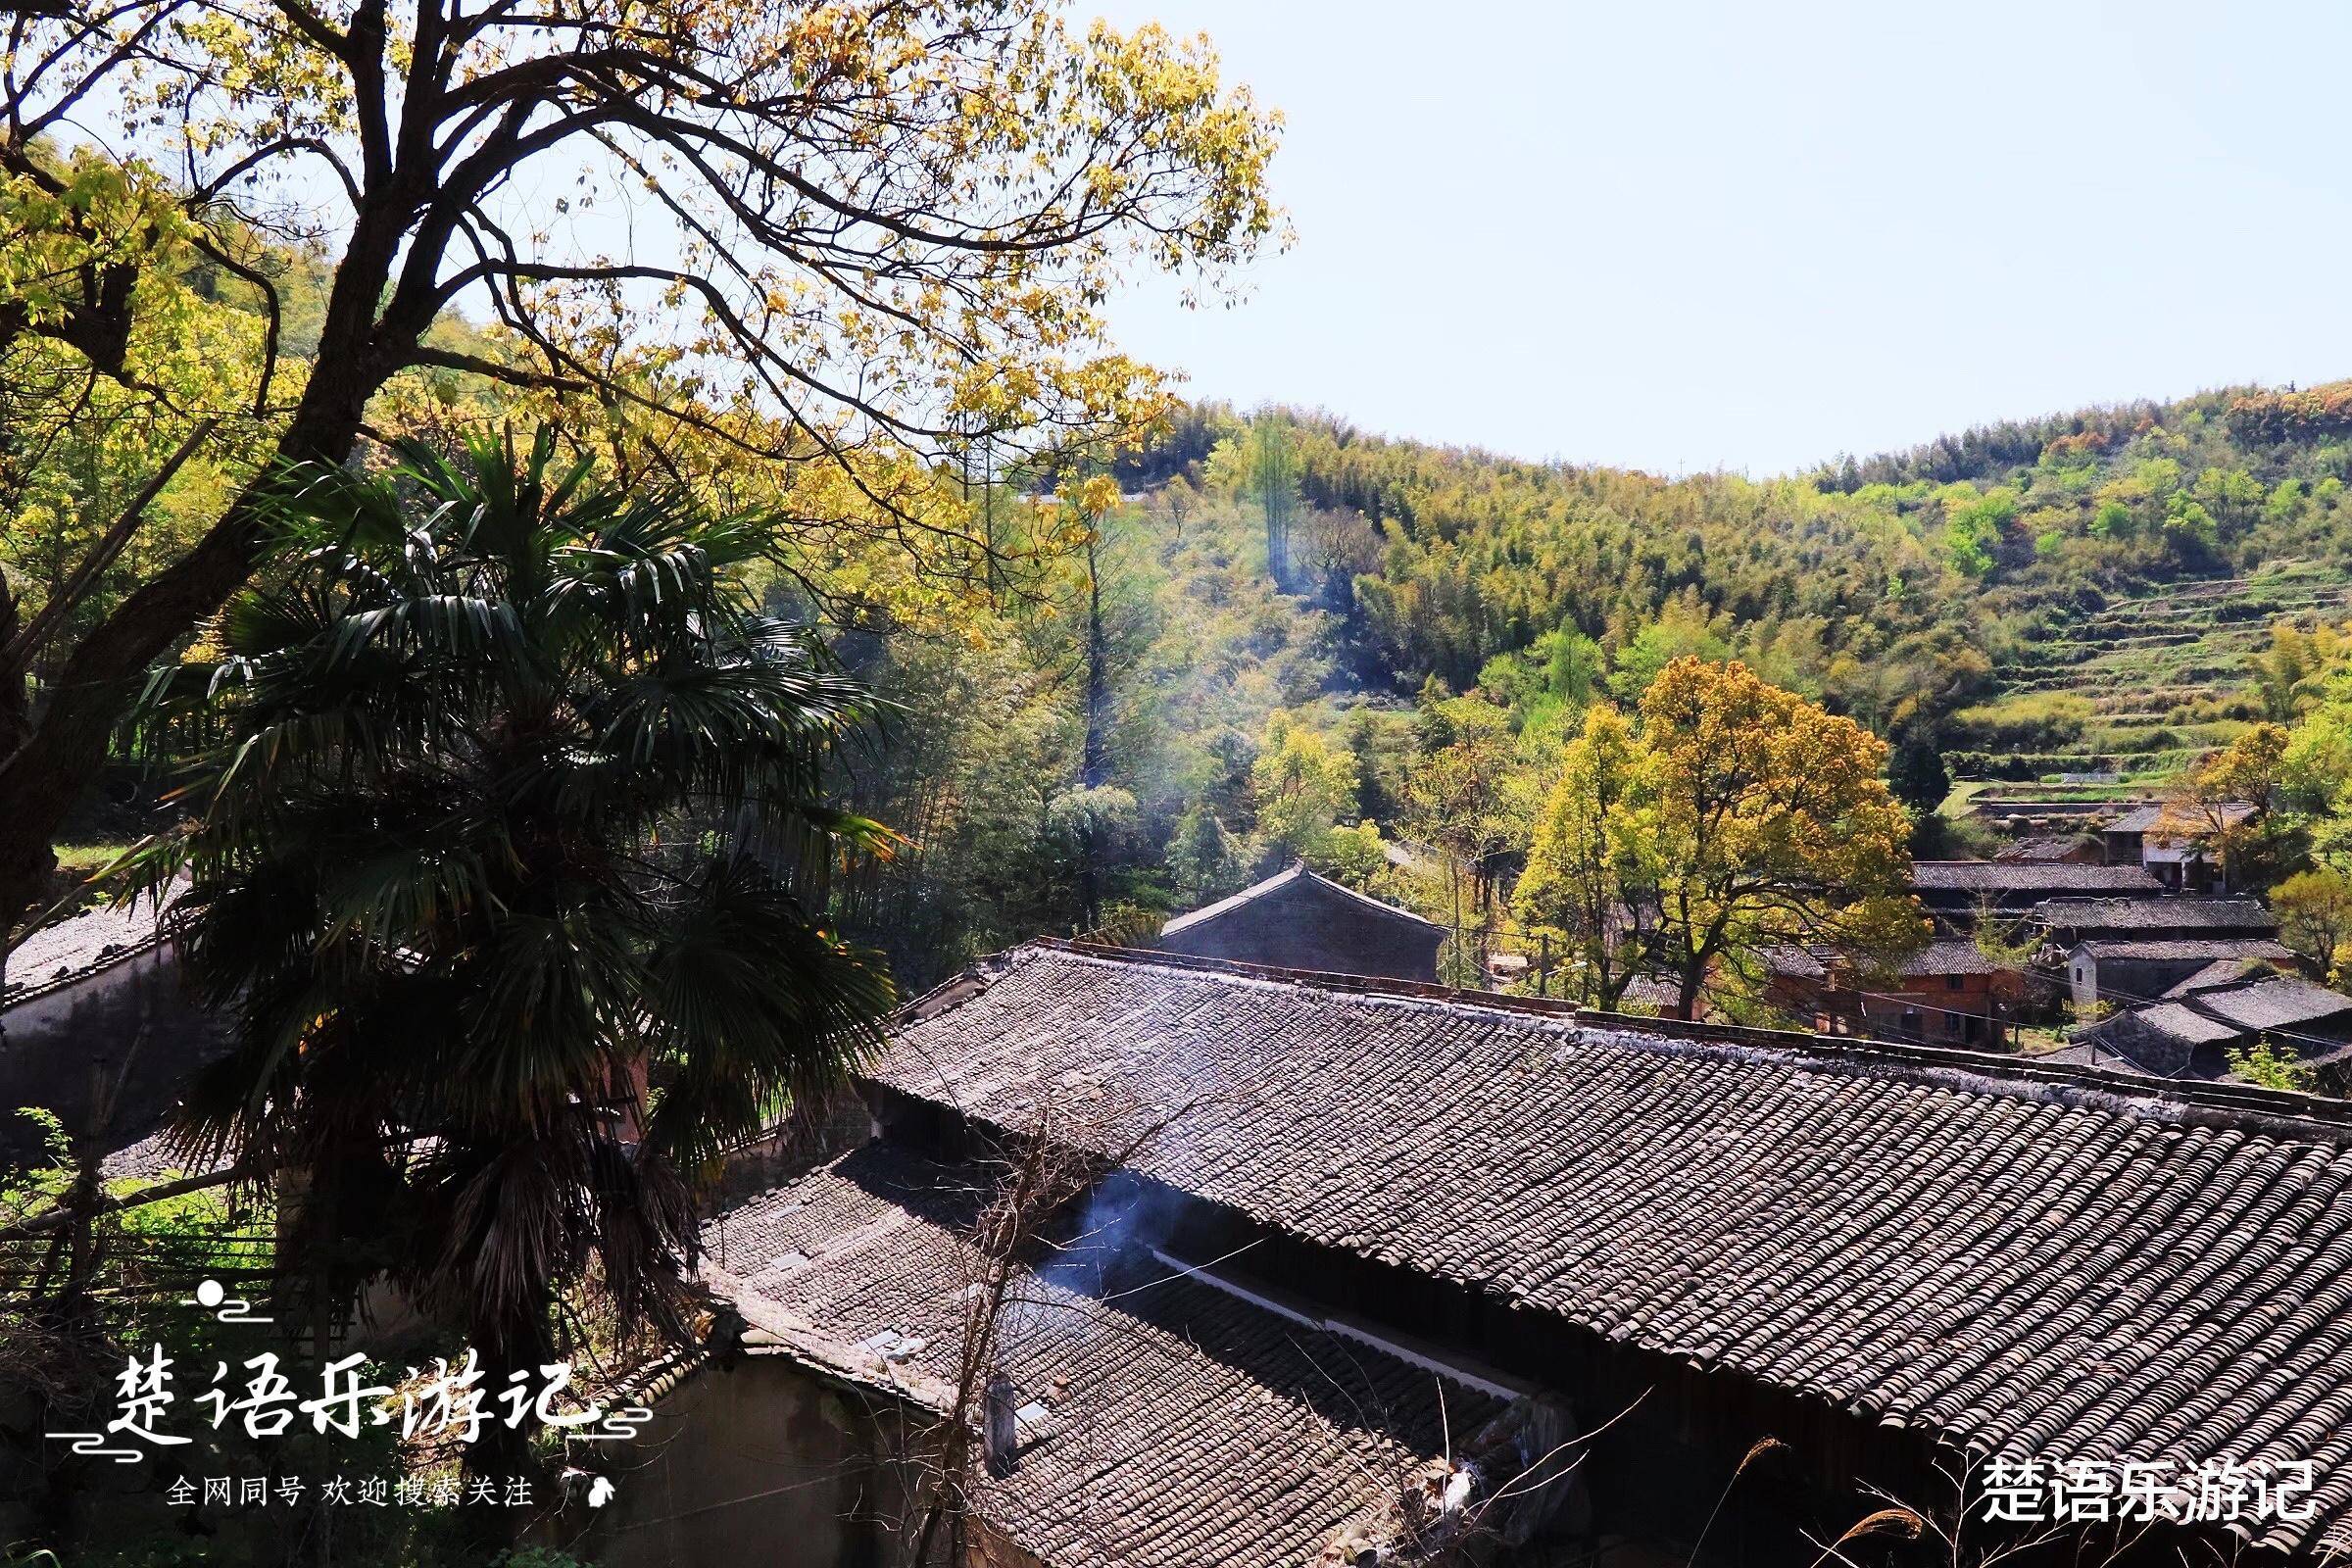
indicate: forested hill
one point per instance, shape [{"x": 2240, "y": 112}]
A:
[
  {"x": 1292, "y": 638},
  {"x": 1918, "y": 590}
]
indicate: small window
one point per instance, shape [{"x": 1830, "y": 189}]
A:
[{"x": 1953, "y": 981}]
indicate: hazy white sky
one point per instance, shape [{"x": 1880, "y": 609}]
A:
[{"x": 1682, "y": 235}]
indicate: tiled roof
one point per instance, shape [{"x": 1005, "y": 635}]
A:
[
  {"x": 155, "y": 1156},
  {"x": 1943, "y": 955},
  {"x": 78, "y": 945},
  {"x": 2220, "y": 973},
  {"x": 2121, "y": 1045},
  {"x": 2064, "y": 1263},
  {"x": 1795, "y": 964},
  {"x": 1946, "y": 955},
  {"x": 2044, "y": 849},
  {"x": 2178, "y": 1021},
  {"x": 2227, "y": 1004},
  {"x": 2281, "y": 1004},
  {"x": 2175, "y": 1042},
  {"x": 2156, "y": 914},
  {"x": 2028, "y": 876},
  {"x": 1298, "y": 872},
  {"x": 2183, "y": 948},
  {"x": 1648, "y": 991},
  {"x": 1170, "y": 1422},
  {"x": 2185, "y": 820}
]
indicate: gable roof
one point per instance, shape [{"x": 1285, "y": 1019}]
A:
[
  {"x": 1168, "y": 1422},
  {"x": 2187, "y": 1034},
  {"x": 2140, "y": 818},
  {"x": 2028, "y": 876},
  {"x": 2172, "y": 913},
  {"x": 1297, "y": 879},
  {"x": 1950, "y": 955},
  {"x": 2179, "y": 1023},
  {"x": 2126, "y": 1043},
  {"x": 2052, "y": 1261}
]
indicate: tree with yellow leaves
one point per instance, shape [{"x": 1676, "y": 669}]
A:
[
  {"x": 1736, "y": 818},
  {"x": 2230, "y": 802},
  {"x": 1303, "y": 785},
  {"x": 854, "y": 234}
]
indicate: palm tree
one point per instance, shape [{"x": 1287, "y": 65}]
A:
[{"x": 508, "y": 805}]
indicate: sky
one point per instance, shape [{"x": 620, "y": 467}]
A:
[{"x": 1684, "y": 236}]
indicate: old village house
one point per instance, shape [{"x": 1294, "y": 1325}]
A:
[{"x": 1390, "y": 1248}]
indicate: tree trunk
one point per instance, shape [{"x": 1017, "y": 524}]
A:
[
  {"x": 1094, "y": 761},
  {"x": 45, "y": 774},
  {"x": 16, "y": 726},
  {"x": 502, "y": 1453},
  {"x": 1094, "y": 764},
  {"x": 1693, "y": 977},
  {"x": 16, "y": 713}
]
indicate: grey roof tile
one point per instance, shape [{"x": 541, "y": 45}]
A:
[
  {"x": 2028, "y": 876},
  {"x": 2078, "y": 1266},
  {"x": 2281, "y": 1003},
  {"x": 2171, "y": 913},
  {"x": 78, "y": 945},
  {"x": 2182, "y": 949},
  {"x": 1183, "y": 1424}
]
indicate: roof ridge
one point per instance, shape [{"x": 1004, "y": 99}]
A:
[
  {"x": 1318, "y": 979},
  {"x": 1297, "y": 871},
  {"x": 2271, "y": 1112}
]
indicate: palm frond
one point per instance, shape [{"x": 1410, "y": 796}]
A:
[{"x": 506, "y": 788}]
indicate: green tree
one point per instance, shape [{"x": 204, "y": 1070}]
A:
[
  {"x": 1202, "y": 856},
  {"x": 1917, "y": 774},
  {"x": 1263, "y": 463},
  {"x": 2251, "y": 775},
  {"x": 1583, "y": 858},
  {"x": 1357, "y": 856},
  {"x": 2314, "y": 915},
  {"x": 1973, "y": 532},
  {"x": 1683, "y": 629},
  {"x": 1560, "y": 671},
  {"x": 511, "y": 801},
  {"x": 2290, "y": 673},
  {"x": 1457, "y": 801},
  {"x": 2271, "y": 1068}
]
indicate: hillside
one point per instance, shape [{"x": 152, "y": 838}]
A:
[
  {"x": 2081, "y": 593},
  {"x": 2145, "y": 684},
  {"x": 1284, "y": 619}
]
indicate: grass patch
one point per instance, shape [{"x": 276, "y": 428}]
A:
[{"x": 88, "y": 859}]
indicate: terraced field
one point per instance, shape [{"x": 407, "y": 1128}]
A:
[{"x": 2141, "y": 687}]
